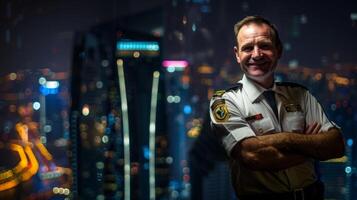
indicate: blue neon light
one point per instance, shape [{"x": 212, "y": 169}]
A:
[
  {"x": 46, "y": 91},
  {"x": 187, "y": 109},
  {"x": 129, "y": 45},
  {"x": 146, "y": 152},
  {"x": 350, "y": 142},
  {"x": 174, "y": 185}
]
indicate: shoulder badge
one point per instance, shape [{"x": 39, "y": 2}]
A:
[
  {"x": 220, "y": 110},
  {"x": 291, "y": 84}
]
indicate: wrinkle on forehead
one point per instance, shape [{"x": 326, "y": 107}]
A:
[{"x": 250, "y": 32}]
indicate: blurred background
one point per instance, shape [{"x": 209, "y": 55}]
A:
[{"x": 109, "y": 99}]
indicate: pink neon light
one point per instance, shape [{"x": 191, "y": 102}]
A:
[{"x": 175, "y": 63}]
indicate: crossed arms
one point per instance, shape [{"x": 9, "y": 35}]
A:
[{"x": 282, "y": 150}]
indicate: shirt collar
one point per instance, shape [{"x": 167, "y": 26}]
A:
[
  {"x": 254, "y": 90},
  {"x": 279, "y": 90}
]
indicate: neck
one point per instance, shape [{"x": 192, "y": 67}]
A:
[{"x": 265, "y": 82}]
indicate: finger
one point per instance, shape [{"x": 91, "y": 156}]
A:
[
  {"x": 316, "y": 129},
  {"x": 310, "y": 128},
  {"x": 307, "y": 129}
]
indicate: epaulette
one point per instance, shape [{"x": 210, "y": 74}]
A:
[
  {"x": 234, "y": 87},
  {"x": 291, "y": 84},
  {"x": 219, "y": 93}
]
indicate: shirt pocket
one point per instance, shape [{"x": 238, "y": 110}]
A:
[
  {"x": 294, "y": 122},
  {"x": 262, "y": 126}
]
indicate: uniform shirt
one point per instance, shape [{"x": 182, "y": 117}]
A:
[{"x": 243, "y": 112}]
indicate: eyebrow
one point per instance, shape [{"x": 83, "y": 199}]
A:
[{"x": 263, "y": 41}]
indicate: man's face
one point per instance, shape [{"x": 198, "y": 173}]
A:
[{"x": 256, "y": 52}]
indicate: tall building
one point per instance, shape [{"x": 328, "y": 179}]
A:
[
  {"x": 95, "y": 119},
  {"x": 118, "y": 123}
]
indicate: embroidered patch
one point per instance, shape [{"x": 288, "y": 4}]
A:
[
  {"x": 220, "y": 110},
  {"x": 255, "y": 117},
  {"x": 293, "y": 108}
]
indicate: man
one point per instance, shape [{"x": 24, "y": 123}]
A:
[{"x": 273, "y": 132}]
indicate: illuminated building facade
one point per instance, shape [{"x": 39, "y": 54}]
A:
[
  {"x": 118, "y": 116},
  {"x": 95, "y": 119},
  {"x": 179, "y": 112},
  {"x": 139, "y": 57}
]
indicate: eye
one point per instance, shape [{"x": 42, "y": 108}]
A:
[
  {"x": 265, "y": 46},
  {"x": 247, "y": 48}
]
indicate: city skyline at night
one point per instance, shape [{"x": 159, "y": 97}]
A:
[{"x": 111, "y": 98}]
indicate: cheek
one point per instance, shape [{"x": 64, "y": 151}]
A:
[
  {"x": 242, "y": 58},
  {"x": 271, "y": 55}
]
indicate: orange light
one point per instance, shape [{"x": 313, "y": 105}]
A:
[
  {"x": 185, "y": 80},
  {"x": 9, "y": 184},
  {"x": 22, "y": 130},
  {"x": 318, "y": 76},
  {"x": 33, "y": 167},
  {"x": 341, "y": 80},
  {"x": 205, "y": 69},
  {"x": 6, "y": 175},
  {"x": 23, "y": 160},
  {"x": 43, "y": 150},
  {"x": 194, "y": 132},
  {"x": 16, "y": 174}
]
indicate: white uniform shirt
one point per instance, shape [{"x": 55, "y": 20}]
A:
[{"x": 244, "y": 112}]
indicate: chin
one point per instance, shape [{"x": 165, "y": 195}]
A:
[{"x": 260, "y": 76}]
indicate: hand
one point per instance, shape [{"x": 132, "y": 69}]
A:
[{"x": 312, "y": 129}]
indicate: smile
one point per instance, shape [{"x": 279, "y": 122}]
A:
[{"x": 257, "y": 64}]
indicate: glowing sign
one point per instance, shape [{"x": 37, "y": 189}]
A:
[
  {"x": 175, "y": 63},
  {"x": 52, "y": 84},
  {"x": 129, "y": 45}
]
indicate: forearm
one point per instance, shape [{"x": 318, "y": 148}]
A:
[
  {"x": 264, "y": 157},
  {"x": 321, "y": 146},
  {"x": 282, "y": 150},
  {"x": 272, "y": 159}
]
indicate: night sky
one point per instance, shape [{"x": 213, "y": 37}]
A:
[{"x": 39, "y": 34}]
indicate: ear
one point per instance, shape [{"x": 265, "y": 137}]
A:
[{"x": 236, "y": 53}]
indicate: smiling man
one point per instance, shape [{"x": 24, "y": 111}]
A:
[
  {"x": 273, "y": 132},
  {"x": 257, "y": 52}
]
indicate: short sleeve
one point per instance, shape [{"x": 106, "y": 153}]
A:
[
  {"x": 315, "y": 113},
  {"x": 228, "y": 123}
]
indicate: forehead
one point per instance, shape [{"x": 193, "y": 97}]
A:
[{"x": 254, "y": 31}]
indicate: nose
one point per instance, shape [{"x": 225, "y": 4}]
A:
[{"x": 256, "y": 54}]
